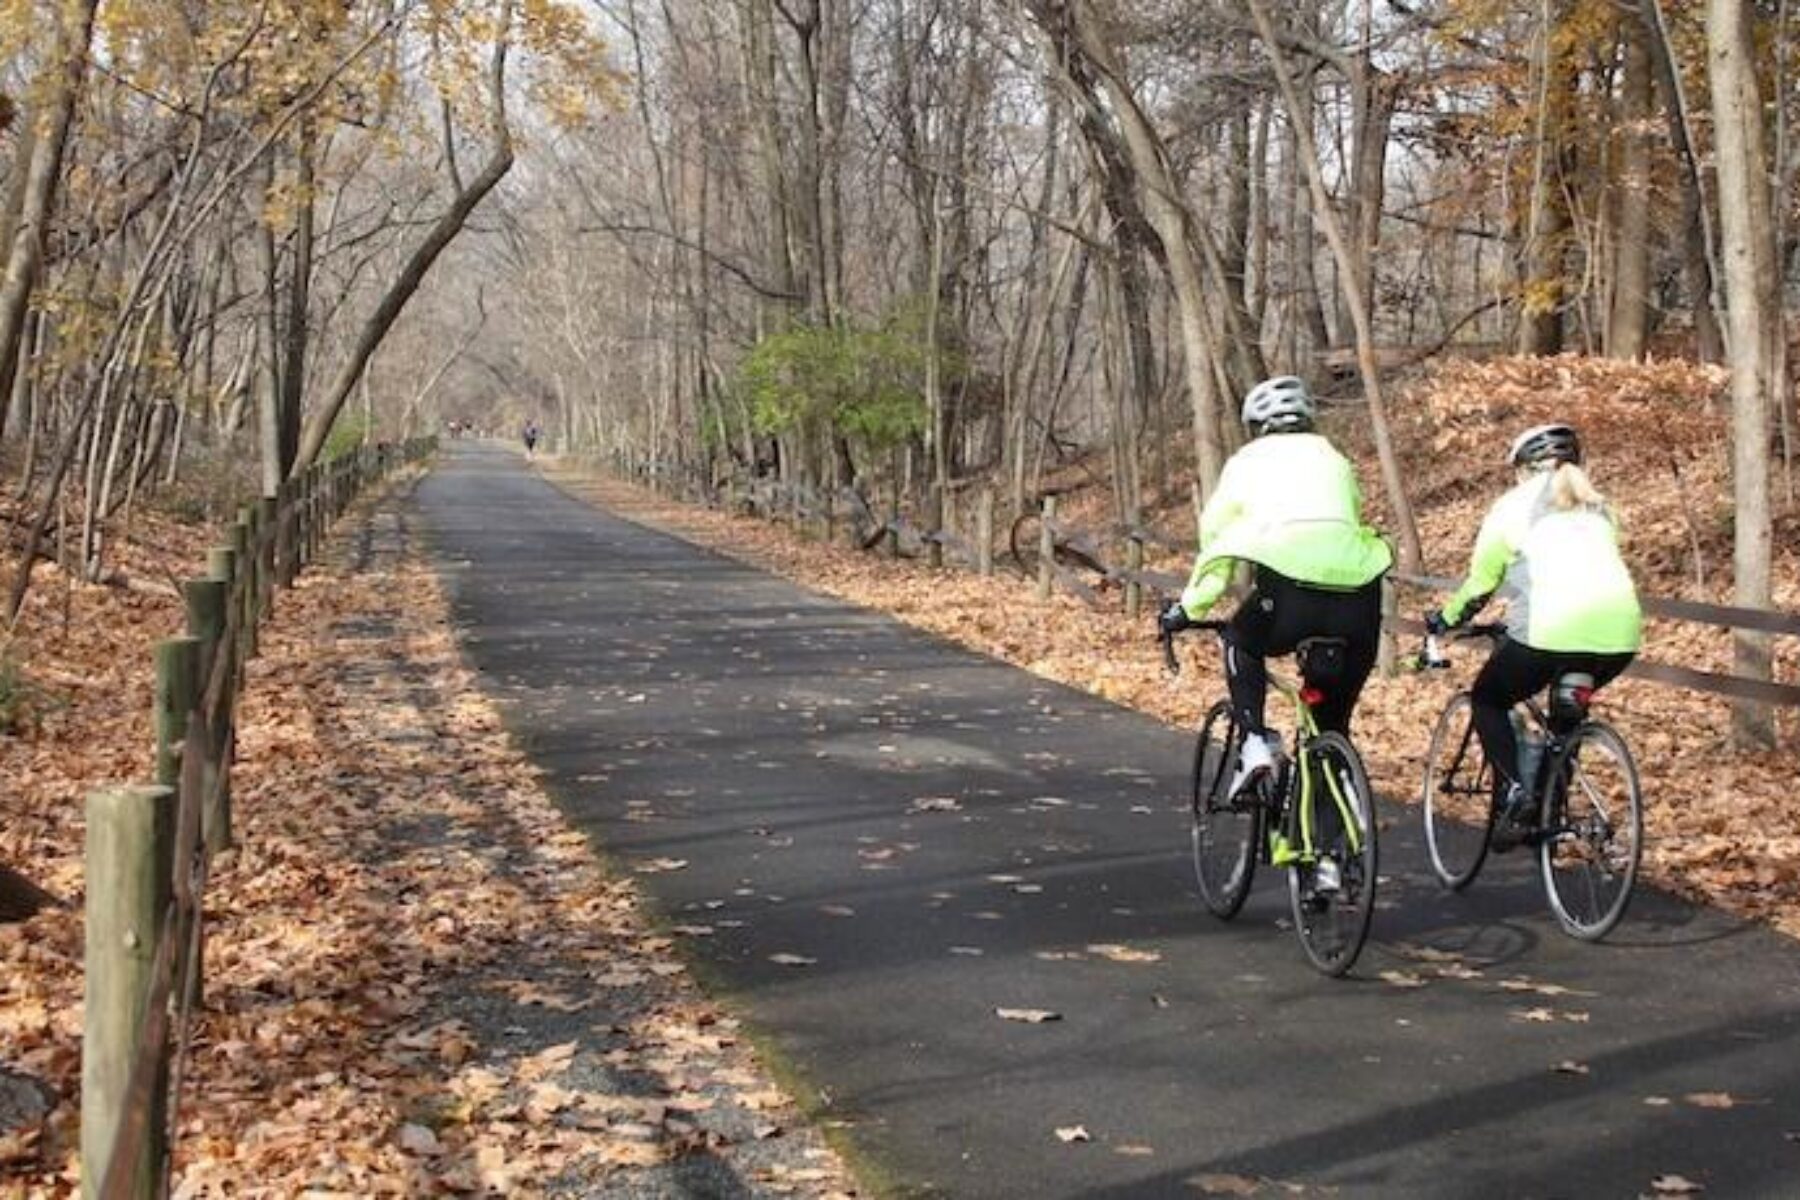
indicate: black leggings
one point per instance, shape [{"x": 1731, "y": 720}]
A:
[
  {"x": 1514, "y": 672},
  {"x": 1277, "y": 616}
]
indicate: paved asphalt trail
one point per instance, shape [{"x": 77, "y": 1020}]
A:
[{"x": 688, "y": 708}]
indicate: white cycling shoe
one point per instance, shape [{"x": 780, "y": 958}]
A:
[{"x": 1256, "y": 757}]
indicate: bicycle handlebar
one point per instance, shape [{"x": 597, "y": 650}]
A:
[
  {"x": 1167, "y": 638},
  {"x": 1432, "y": 657}
]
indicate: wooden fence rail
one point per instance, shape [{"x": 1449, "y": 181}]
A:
[
  {"x": 149, "y": 847},
  {"x": 1064, "y": 552}
]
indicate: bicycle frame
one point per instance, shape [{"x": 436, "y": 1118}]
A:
[{"x": 1302, "y": 794}]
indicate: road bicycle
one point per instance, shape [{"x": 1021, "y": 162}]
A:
[
  {"x": 1311, "y": 815},
  {"x": 1589, "y": 830}
]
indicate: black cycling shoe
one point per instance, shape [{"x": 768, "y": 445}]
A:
[{"x": 1515, "y": 823}]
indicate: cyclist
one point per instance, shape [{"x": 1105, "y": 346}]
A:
[
  {"x": 1551, "y": 543},
  {"x": 1288, "y": 503}
]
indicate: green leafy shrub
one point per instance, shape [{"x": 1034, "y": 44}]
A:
[{"x": 864, "y": 381}]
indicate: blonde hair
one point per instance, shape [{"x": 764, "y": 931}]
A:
[{"x": 1570, "y": 488}]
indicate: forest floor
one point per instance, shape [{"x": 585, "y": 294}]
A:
[
  {"x": 418, "y": 979},
  {"x": 1723, "y": 825}
]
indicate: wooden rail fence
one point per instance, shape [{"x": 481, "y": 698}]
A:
[
  {"x": 149, "y": 846},
  {"x": 1064, "y": 553}
]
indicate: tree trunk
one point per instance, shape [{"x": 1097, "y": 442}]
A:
[
  {"x": 299, "y": 300},
  {"x": 1753, "y": 307},
  {"x": 1411, "y": 556},
  {"x": 1542, "y": 282},
  {"x": 25, "y": 255},
  {"x": 1628, "y": 318},
  {"x": 1699, "y": 263},
  {"x": 423, "y": 256}
]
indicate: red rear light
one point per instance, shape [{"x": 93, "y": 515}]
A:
[
  {"x": 1583, "y": 695},
  {"x": 1312, "y": 696}
]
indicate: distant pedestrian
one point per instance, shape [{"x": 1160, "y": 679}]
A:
[{"x": 532, "y": 433}]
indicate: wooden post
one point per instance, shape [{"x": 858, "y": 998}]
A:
[
  {"x": 984, "y": 531},
  {"x": 272, "y": 513},
  {"x": 1388, "y": 656},
  {"x": 1134, "y": 564},
  {"x": 1046, "y": 549},
  {"x": 243, "y": 540},
  {"x": 894, "y": 522},
  {"x": 206, "y": 600},
  {"x": 306, "y": 516},
  {"x": 286, "y": 522},
  {"x": 935, "y": 553},
  {"x": 130, "y": 871},
  {"x": 176, "y": 691}
]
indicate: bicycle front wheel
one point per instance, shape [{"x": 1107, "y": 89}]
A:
[
  {"x": 1224, "y": 830},
  {"x": 1333, "y": 923},
  {"x": 1458, "y": 797},
  {"x": 1593, "y": 837}
]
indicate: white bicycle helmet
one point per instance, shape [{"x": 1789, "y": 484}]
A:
[
  {"x": 1279, "y": 405},
  {"x": 1545, "y": 444}
]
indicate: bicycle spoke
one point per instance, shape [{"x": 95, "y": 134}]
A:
[
  {"x": 1456, "y": 797},
  {"x": 1224, "y": 831},
  {"x": 1589, "y": 859},
  {"x": 1333, "y": 925}
]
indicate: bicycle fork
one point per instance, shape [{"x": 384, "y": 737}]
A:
[{"x": 1292, "y": 839}]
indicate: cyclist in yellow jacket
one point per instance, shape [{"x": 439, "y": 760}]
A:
[
  {"x": 1287, "y": 502},
  {"x": 1551, "y": 545}
]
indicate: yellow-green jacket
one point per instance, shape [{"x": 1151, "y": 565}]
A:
[
  {"x": 1565, "y": 583},
  {"x": 1288, "y": 501}
]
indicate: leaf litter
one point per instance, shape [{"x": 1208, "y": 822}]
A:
[
  {"x": 344, "y": 946},
  {"x": 1710, "y": 807}
]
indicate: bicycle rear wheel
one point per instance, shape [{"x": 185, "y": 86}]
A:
[
  {"x": 1593, "y": 835},
  {"x": 1333, "y": 925},
  {"x": 1224, "y": 830},
  {"x": 1458, "y": 796}
]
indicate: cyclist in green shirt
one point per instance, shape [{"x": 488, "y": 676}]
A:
[
  {"x": 1289, "y": 504},
  {"x": 1551, "y": 544}
]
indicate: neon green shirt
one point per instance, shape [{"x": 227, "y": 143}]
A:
[
  {"x": 1566, "y": 585},
  {"x": 1289, "y": 502}
]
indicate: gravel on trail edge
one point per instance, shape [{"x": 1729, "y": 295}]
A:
[{"x": 491, "y": 1010}]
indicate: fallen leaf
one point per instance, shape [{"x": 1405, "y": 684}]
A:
[
  {"x": 936, "y": 804},
  {"x": 1403, "y": 979},
  {"x": 1072, "y": 1133},
  {"x": 1675, "y": 1185},
  {"x": 417, "y": 1139},
  {"x": 1030, "y": 1016},
  {"x": 1533, "y": 1014},
  {"x": 1134, "y": 1150},
  {"x": 1541, "y": 989},
  {"x": 792, "y": 960},
  {"x": 1569, "y": 1066},
  {"x": 1225, "y": 1185},
  {"x": 1712, "y": 1100},
  {"x": 1124, "y": 954}
]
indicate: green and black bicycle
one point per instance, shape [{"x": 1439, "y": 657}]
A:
[
  {"x": 1312, "y": 816},
  {"x": 1589, "y": 835}
]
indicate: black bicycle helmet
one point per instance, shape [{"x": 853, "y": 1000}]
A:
[
  {"x": 1545, "y": 444},
  {"x": 1279, "y": 405}
]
